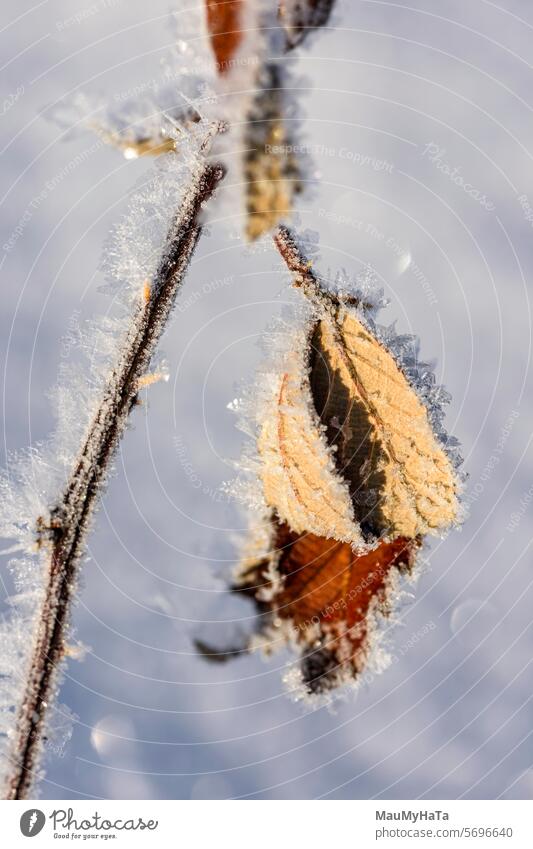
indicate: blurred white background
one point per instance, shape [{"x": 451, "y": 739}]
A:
[{"x": 409, "y": 86}]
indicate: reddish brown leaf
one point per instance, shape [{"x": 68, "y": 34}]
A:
[
  {"x": 326, "y": 579},
  {"x": 328, "y": 595},
  {"x": 223, "y": 22}
]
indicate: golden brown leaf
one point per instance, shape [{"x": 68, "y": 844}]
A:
[
  {"x": 401, "y": 481},
  {"x": 270, "y": 166},
  {"x": 298, "y": 473}
]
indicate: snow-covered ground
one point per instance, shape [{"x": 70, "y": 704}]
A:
[{"x": 419, "y": 119}]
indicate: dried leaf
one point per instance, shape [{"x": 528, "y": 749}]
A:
[
  {"x": 299, "y": 476},
  {"x": 133, "y": 149},
  {"x": 300, "y": 17},
  {"x": 353, "y": 477},
  {"x": 400, "y": 480},
  {"x": 149, "y": 143},
  {"x": 224, "y": 25},
  {"x": 218, "y": 655},
  {"x": 271, "y": 169},
  {"x": 325, "y": 599}
]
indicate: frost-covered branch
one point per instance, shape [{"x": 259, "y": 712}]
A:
[{"x": 62, "y": 532}]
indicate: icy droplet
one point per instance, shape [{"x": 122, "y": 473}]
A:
[
  {"x": 403, "y": 262},
  {"x": 113, "y": 735},
  {"x": 472, "y": 621}
]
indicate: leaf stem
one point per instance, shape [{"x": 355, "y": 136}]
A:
[{"x": 304, "y": 277}]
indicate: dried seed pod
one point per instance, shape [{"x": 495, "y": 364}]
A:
[
  {"x": 270, "y": 166},
  {"x": 300, "y": 17},
  {"x": 224, "y": 18}
]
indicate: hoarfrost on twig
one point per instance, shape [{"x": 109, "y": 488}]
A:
[{"x": 50, "y": 496}]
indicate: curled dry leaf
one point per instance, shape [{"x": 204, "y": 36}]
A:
[
  {"x": 324, "y": 598},
  {"x": 352, "y": 402},
  {"x": 270, "y": 166},
  {"x": 154, "y": 141},
  {"x": 271, "y": 169},
  {"x": 400, "y": 479},
  {"x": 300, "y": 17},
  {"x": 224, "y": 20},
  {"x": 353, "y": 477},
  {"x": 298, "y": 471},
  {"x": 144, "y": 146},
  {"x": 225, "y": 24}
]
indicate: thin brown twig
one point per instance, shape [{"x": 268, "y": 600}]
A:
[
  {"x": 304, "y": 278},
  {"x": 65, "y": 531}
]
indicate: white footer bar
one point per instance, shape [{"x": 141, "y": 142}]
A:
[{"x": 269, "y": 824}]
